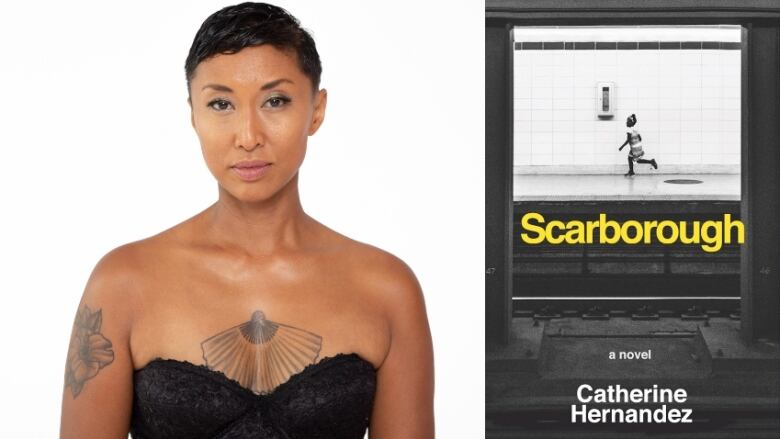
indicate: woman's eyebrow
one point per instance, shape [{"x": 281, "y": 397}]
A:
[
  {"x": 218, "y": 87},
  {"x": 225, "y": 88},
  {"x": 273, "y": 84}
]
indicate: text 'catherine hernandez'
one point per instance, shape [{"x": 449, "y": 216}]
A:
[{"x": 661, "y": 399}]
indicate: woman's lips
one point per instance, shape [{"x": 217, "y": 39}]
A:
[{"x": 251, "y": 170}]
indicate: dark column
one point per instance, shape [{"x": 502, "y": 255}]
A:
[
  {"x": 760, "y": 287},
  {"x": 498, "y": 185}
]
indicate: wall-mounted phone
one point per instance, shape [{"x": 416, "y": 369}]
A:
[{"x": 605, "y": 100}]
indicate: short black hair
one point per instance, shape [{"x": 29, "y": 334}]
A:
[{"x": 248, "y": 24}]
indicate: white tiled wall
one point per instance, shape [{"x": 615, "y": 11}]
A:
[{"x": 687, "y": 103}]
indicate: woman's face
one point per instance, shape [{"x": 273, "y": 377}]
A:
[{"x": 253, "y": 112}]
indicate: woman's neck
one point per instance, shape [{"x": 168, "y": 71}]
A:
[{"x": 260, "y": 228}]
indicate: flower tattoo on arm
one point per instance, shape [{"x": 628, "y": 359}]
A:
[{"x": 89, "y": 350}]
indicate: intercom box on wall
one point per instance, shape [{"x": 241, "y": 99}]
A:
[{"x": 605, "y": 100}]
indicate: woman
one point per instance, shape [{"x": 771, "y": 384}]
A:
[{"x": 251, "y": 319}]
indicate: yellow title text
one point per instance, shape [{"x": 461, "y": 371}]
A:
[{"x": 711, "y": 235}]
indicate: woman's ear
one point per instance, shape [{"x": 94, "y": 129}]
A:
[{"x": 318, "y": 116}]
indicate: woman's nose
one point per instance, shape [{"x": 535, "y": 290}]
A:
[{"x": 250, "y": 131}]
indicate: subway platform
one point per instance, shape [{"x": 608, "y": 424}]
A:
[{"x": 646, "y": 185}]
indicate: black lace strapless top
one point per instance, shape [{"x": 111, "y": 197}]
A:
[{"x": 328, "y": 399}]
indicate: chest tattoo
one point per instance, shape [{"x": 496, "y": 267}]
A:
[{"x": 261, "y": 354}]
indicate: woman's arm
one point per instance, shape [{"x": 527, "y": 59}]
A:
[
  {"x": 403, "y": 405},
  {"x": 98, "y": 394}
]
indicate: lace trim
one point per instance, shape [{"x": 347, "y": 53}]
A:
[{"x": 203, "y": 370}]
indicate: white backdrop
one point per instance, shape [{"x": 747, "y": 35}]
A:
[{"x": 96, "y": 150}]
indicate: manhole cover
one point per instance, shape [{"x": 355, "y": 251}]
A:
[{"x": 683, "y": 181}]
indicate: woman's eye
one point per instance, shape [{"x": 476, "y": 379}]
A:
[
  {"x": 220, "y": 105},
  {"x": 276, "y": 102}
]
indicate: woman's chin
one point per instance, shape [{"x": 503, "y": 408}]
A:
[
  {"x": 252, "y": 194},
  {"x": 259, "y": 191}
]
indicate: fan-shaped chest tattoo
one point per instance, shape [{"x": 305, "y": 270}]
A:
[{"x": 261, "y": 354}]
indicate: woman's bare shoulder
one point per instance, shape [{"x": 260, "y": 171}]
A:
[
  {"x": 382, "y": 273},
  {"x": 129, "y": 260},
  {"x": 119, "y": 273}
]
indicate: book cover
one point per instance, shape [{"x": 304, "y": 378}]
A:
[{"x": 631, "y": 208}]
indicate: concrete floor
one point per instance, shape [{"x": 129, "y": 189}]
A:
[
  {"x": 720, "y": 335},
  {"x": 644, "y": 186}
]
